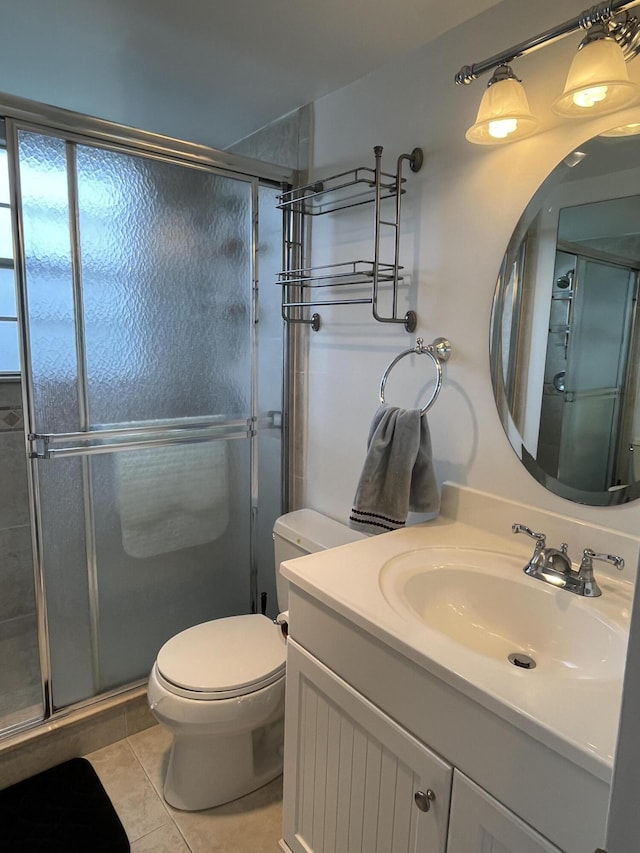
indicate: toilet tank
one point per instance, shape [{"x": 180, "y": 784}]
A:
[{"x": 305, "y": 531}]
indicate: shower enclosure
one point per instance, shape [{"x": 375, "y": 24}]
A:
[{"x": 152, "y": 374}]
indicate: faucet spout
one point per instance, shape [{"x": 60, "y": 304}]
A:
[
  {"x": 552, "y": 565},
  {"x": 554, "y": 560}
]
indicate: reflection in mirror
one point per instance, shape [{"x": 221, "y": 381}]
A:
[{"x": 565, "y": 336}]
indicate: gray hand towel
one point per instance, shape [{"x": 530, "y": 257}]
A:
[{"x": 397, "y": 476}]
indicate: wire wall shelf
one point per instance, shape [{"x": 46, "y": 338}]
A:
[
  {"x": 339, "y": 192},
  {"x": 353, "y": 188},
  {"x": 349, "y": 272}
]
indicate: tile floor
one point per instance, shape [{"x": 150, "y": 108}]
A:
[{"x": 132, "y": 770}]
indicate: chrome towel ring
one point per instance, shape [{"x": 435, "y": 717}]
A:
[{"x": 438, "y": 351}]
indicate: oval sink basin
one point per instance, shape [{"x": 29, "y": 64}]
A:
[{"x": 483, "y": 601}]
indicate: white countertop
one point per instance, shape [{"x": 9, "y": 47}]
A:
[{"x": 577, "y": 718}]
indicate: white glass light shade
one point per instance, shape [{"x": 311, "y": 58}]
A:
[
  {"x": 597, "y": 82},
  {"x": 504, "y": 115}
]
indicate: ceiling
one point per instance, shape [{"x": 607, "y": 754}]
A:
[
  {"x": 259, "y": 59},
  {"x": 243, "y": 63}
]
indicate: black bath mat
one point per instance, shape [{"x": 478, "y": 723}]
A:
[{"x": 62, "y": 810}]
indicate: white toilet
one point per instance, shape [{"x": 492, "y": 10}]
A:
[{"x": 219, "y": 686}]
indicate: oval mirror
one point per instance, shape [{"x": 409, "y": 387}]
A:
[{"x": 565, "y": 335}]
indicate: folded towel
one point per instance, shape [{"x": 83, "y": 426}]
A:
[
  {"x": 172, "y": 497},
  {"x": 397, "y": 476}
]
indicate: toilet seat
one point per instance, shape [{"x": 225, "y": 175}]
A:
[{"x": 223, "y": 658}]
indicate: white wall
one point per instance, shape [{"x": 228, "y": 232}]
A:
[{"x": 460, "y": 212}]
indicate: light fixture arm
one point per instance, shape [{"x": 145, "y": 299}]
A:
[{"x": 624, "y": 28}]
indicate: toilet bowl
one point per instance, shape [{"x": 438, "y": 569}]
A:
[{"x": 219, "y": 687}]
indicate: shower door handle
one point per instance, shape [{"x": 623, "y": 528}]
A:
[{"x": 117, "y": 439}]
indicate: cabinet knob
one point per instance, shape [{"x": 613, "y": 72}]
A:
[{"x": 424, "y": 799}]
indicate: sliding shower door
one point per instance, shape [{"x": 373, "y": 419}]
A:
[{"x": 140, "y": 301}]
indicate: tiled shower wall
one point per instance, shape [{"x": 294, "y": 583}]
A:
[
  {"x": 285, "y": 142},
  {"x": 20, "y": 680},
  {"x": 16, "y": 578}
]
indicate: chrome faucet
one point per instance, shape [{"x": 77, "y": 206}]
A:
[{"x": 554, "y": 566}]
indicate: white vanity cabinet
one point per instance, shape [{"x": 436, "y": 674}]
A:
[
  {"x": 480, "y": 824},
  {"x": 354, "y": 779},
  {"x": 356, "y": 782},
  {"x": 367, "y": 728}
]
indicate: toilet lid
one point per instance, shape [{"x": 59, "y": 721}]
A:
[{"x": 231, "y": 656}]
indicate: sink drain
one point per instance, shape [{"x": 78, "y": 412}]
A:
[{"x": 521, "y": 660}]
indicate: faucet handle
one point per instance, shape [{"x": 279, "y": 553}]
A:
[
  {"x": 585, "y": 573},
  {"x": 541, "y": 538},
  {"x": 588, "y": 555}
]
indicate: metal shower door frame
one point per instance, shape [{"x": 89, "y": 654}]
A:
[{"x": 141, "y": 144}]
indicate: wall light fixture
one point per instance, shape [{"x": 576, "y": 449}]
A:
[
  {"x": 597, "y": 82},
  {"x": 504, "y": 113}
]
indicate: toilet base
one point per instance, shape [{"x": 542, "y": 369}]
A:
[{"x": 204, "y": 772}]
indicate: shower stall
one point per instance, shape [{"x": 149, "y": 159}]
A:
[{"x": 150, "y": 453}]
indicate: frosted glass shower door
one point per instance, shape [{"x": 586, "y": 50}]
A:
[{"x": 139, "y": 292}]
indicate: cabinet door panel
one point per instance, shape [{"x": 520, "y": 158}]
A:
[
  {"x": 480, "y": 824},
  {"x": 351, "y": 773}
]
